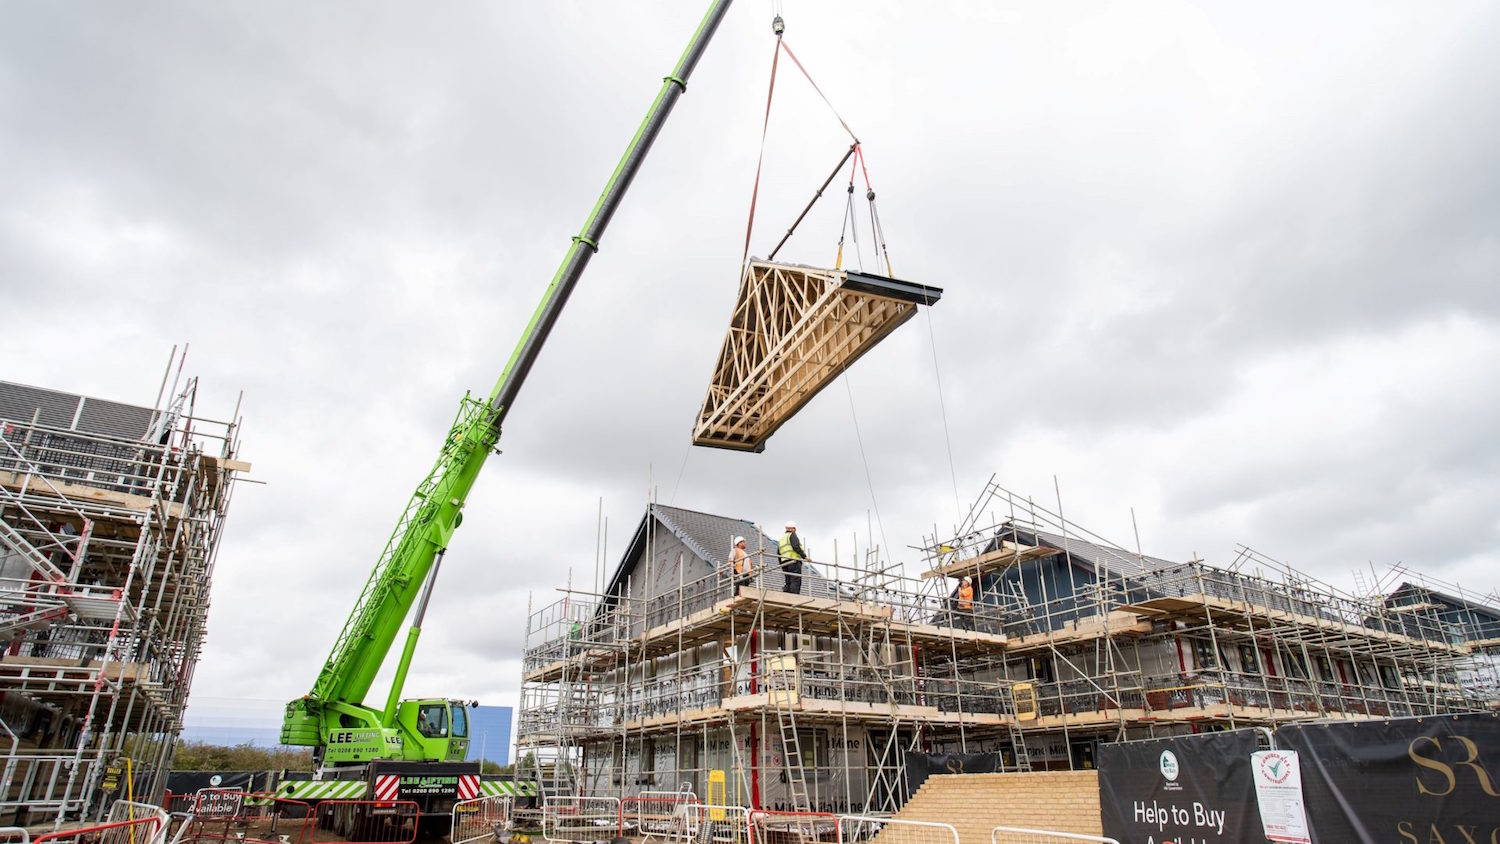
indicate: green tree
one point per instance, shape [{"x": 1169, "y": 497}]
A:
[{"x": 201, "y": 756}]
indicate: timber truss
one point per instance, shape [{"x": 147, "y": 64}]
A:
[{"x": 795, "y": 329}]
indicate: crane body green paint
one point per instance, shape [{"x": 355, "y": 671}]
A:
[{"x": 333, "y": 716}]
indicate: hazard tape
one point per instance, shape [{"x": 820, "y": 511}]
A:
[
  {"x": 387, "y": 786},
  {"x": 322, "y": 789},
  {"x": 507, "y": 788}
]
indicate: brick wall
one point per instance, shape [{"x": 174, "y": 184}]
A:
[{"x": 1062, "y": 801}]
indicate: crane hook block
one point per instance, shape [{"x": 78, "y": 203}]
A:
[{"x": 778, "y": 25}]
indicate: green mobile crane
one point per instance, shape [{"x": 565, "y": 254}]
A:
[{"x": 353, "y": 740}]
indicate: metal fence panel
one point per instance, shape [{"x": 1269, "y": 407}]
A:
[
  {"x": 793, "y": 827},
  {"x": 580, "y": 818},
  {"x": 125, "y": 810},
  {"x": 480, "y": 818},
  {"x": 711, "y": 824},
  {"x": 658, "y": 813},
  {"x": 862, "y": 828},
  {"x": 138, "y": 831},
  {"x": 1018, "y": 835}
]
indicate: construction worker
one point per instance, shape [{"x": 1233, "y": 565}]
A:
[
  {"x": 739, "y": 562},
  {"x": 966, "y": 603},
  {"x": 791, "y": 553}
]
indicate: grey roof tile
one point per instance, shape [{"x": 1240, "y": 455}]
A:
[
  {"x": 709, "y": 535},
  {"x": 1120, "y": 563},
  {"x": 18, "y": 403}
]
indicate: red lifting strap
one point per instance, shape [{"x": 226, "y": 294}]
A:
[
  {"x": 760, "y": 159},
  {"x": 765, "y": 125},
  {"x": 793, "y": 57}
]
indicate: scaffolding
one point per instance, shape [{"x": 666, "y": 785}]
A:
[
  {"x": 110, "y": 518},
  {"x": 806, "y": 701},
  {"x": 678, "y": 675}
]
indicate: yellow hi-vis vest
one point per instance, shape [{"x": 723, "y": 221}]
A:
[{"x": 784, "y": 548}]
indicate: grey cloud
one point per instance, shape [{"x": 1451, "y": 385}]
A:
[{"x": 351, "y": 216}]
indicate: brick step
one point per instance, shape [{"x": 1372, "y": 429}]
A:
[{"x": 1066, "y": 801}]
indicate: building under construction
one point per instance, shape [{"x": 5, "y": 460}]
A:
[
  {"x": 110, "y": 516},
  {"x": 838, "y": 692}
]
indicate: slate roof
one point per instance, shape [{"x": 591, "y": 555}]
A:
[
  {"x": 1413, "y": 590},
  {"x": 1096, "y": 557},
  {"x": 709, "y": 536},
  {"x": 72, "y": 412}
]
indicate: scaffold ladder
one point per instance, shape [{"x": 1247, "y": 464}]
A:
[
  {"x": 784, "y": 687},
  {"x": 1018, "y": 745}
]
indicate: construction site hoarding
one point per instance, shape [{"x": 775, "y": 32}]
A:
[
  {"x": 920, "y": 766},
  {"x": 1404, "y": 780},
  {"x": 1183, "y": 789}
]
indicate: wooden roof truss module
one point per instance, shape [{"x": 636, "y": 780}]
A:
[{"x": 794, "y": 329}]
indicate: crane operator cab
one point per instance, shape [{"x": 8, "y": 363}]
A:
[{"x": 434, "y": 729}]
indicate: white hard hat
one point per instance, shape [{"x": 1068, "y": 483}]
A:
[
  {"x": 738, "y": 540},
  {"x": 791, "y": 525}
]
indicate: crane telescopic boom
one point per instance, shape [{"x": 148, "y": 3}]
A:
[{"x": 333, "y": 715}]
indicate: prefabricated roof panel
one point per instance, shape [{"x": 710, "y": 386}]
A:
[{"x": 793, "y": 330}]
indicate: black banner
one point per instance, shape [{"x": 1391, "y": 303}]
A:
[
  {"x": 1404, "y": 781},
  {"x": 920, "y": 766},
  {"x": 188, "y": 782},
  {"x": 1181, "y": 790}
]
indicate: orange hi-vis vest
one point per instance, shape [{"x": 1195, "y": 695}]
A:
[
  {"x": 740, "y": 559},
  {"x": 966, "y": 596}
]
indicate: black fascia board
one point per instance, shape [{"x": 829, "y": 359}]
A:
[{"x": 892, "y": 288}]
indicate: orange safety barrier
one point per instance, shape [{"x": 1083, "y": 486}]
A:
[
  {"x": 138, "y": 831},
  {"x": 178, "y": 802},
  {"x": 262, "y": 817},
  {"x": 793, "y": 827},
  {"x": 366, "y": 822}
]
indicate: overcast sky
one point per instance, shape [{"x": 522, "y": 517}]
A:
[{"x": 1235, "y": 266}]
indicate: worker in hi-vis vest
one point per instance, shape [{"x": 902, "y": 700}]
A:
[
  {"x": 966, "y": 603},
  {"x": 792, "y": 555},
  {"x": 739, "y": 562}
]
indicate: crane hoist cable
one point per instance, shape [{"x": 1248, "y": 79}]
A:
[{"x": 778, "y": 28}]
